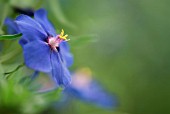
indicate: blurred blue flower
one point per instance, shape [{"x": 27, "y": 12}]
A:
[
  {"x": 87, "y": 89},
  {"x": 11, "y": 26},
  {"x": 43, "y": 49}
]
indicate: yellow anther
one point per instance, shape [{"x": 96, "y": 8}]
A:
[
  {"x": 62, "y": 32},
  {"x": 62, "y": 36}
]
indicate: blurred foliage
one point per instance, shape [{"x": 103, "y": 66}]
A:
[
  {"x": 18, "y": 99},
  {"x": 127, "y": 48}
]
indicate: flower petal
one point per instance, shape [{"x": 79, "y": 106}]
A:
[
  {"x": 65, "y": 52},
  {"x": 23, "y": 41},
  {"x": 41, "y": 16},
  {"x": 60, "y": 73},
  {"x": 37, "y": 56},
  {"x": 94, "y": 93},
  {"x": 26, "y": 19},
  {"x": 30, "y": 29},
  {"x": 11, "y": 26},
  {"x": 29, "y": 32}
]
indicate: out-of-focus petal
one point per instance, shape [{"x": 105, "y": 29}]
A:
[
  {"x": 65, "y": 52},
  {"x": 59, "y": 72},
  {"x": 11, "y": 26},
  {"x": 94, "y": 94},
  {"x": 37, "y": 56},
  {"x": 41, "y": 16},
  {"x": 13, "y": 29}
]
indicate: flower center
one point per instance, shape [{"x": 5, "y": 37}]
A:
[{"x": 54, "y": 42}]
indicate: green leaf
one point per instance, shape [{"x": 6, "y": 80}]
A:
[{"x": 10, "y": 37}]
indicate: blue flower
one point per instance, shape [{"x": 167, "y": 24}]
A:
[
  {"x": 87, "y": 89},
  {"x": 43, "y": 49}
]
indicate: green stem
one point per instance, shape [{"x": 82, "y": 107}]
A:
[{"x": 8, "y": 74}]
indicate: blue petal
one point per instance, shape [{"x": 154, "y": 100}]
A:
[
  {"x": 30, "y": 29},
  {"x": 29, "y": 32},
  {"x": 13, "y": 29},
  {"x": 65, "y": 52},
  {"x": 11, "y": 26},
  {"x": 30, "y": 21},
  {"x": 37, "y": 56},
  {"x": 95, "y": 94},
  {"x": 23, "y": 41},
  {"x": 60, "y": 73},
  {"x": 99, "y": 96},
  {"x": 41, "y": 16}
]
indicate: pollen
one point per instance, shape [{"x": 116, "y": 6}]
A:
[
  {"x": 54, "y": 42},
  {"x": 62, "y": 36}
]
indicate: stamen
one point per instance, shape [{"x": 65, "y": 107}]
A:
[
  {"x": 55, "y": 41},
  {"x": 62, "y": 36}
]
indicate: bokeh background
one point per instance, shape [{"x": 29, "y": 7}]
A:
[{"x": 124, "y": 42}]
